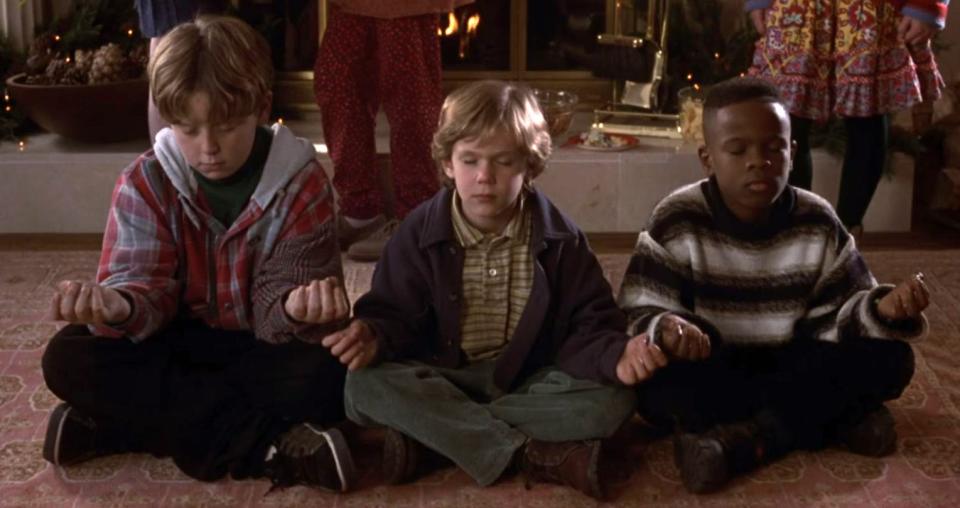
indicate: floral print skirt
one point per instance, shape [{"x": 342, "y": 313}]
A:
[{"x": 843, "y": 58}]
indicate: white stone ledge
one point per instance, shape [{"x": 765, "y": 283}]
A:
[{"x": 55, "y": 186}]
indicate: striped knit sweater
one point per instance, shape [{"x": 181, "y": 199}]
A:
[{"x": 798, "y": 277}]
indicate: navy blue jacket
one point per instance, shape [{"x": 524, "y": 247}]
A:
[{"x": 570, "y": 320}]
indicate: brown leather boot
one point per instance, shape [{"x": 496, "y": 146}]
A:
[
  {"x": 572, "y": 463},
  {"x": 875, "y": 435},
  {"x": 709, "y": 459},
  {"x": 400, "y": 457},
  {"x": 405, "y": 459}
]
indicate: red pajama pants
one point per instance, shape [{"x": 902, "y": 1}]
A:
[{"x": 364, "y": 63}]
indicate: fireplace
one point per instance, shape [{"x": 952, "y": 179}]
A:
[{"x": 545, "y": 43}]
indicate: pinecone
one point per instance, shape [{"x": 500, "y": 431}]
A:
[
  {"x": 74, "y": 76},
  {"x": 37, "y": 63},
  {"x": 57, "y": 69},
  {"x": 107, "y": 65},
  {"x": 83, "y": 59},
  {"x": 37, "y": 79},
  {"x": 136, "y": 63}
]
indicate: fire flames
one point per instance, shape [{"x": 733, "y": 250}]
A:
[{"x": 471, "y": 22}]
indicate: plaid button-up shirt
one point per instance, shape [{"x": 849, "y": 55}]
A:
[{"x": 168, "y": 255}]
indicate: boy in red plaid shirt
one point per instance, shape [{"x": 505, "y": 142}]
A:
[{"x": 219, "y": 275}]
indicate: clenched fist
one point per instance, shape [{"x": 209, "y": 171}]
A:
[
  {"x": 683, "y": 339},
  {"x": 88, "y": 303},
  {"x": 914, "y": 32},
  {"x": 906, "y": 301},
  {"x": 640, "y": 359},
  {"x": 318, "y": 302}
]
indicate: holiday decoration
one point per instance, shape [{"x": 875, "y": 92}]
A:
[{"x": 85, "y": 74}]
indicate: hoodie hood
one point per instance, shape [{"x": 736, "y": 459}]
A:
[{"x": 288, "y": 154}]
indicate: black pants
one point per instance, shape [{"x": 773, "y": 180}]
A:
[
  {"x": 811, "y": 386},
  {"x": 863, "y": 162},
  {"x": 213, "y": 400}
]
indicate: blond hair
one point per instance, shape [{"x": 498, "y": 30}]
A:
[
  {"x": 220, "y": 55},
  {"x": 481, "y": 109}
]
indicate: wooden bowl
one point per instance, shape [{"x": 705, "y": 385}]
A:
[{"x": 100, "y": 113}]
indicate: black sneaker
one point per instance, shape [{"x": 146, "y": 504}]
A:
[
  {"x": 708, "y": 460},
  {"x": 71, "y": 437},
  {"x": 305, "y": 455},
  {"x": 875, "y": 435}
]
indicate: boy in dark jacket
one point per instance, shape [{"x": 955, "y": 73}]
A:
[{"x": 490, "y": 332}]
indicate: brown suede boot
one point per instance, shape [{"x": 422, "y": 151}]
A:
[
  {"x": 572, "y": 463},
  {"x": 405, "y": 459},
  {"x": 400, "y": 457}
]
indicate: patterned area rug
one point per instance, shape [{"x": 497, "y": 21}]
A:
[{"x": 924, "y": 472}]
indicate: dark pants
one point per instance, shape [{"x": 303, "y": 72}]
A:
[
  {"x": 811, "y": 386},
  {"x": 214, "y": 400},
  {"x": 863, "y": 162}
]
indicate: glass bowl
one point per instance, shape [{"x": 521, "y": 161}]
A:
[{"x": 558, "y": 107}]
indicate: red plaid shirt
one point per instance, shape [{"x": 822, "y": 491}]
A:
[{"x": 167, "y": 254}]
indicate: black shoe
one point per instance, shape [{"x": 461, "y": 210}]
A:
[
  {"x": 71, "y": 437},
  {"x": 305, "y": 455},
  {"x": 875, "y": 435},
  {"x": 708, "y": 460}
]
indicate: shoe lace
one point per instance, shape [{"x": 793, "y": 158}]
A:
[{"x": 296, "y": 461}]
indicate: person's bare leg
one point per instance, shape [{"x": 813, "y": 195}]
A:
[{"x": 154, "y": 120}]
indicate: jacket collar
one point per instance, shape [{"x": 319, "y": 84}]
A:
[{"x": 548, "y": 222}]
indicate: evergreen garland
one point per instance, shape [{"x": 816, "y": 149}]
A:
[{"x": 11, "y": 62}]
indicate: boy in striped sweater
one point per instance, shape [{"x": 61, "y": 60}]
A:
[{"x": 795, "y": 345}]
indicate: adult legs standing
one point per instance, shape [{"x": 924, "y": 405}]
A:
[
  {"x": 346, "y": 89},
  {"x": 365, "y": 62},
  {"x": 802, "y": 173},
  {"x": 409, "y": 61},
  {"x": 863, "y": 164}
]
